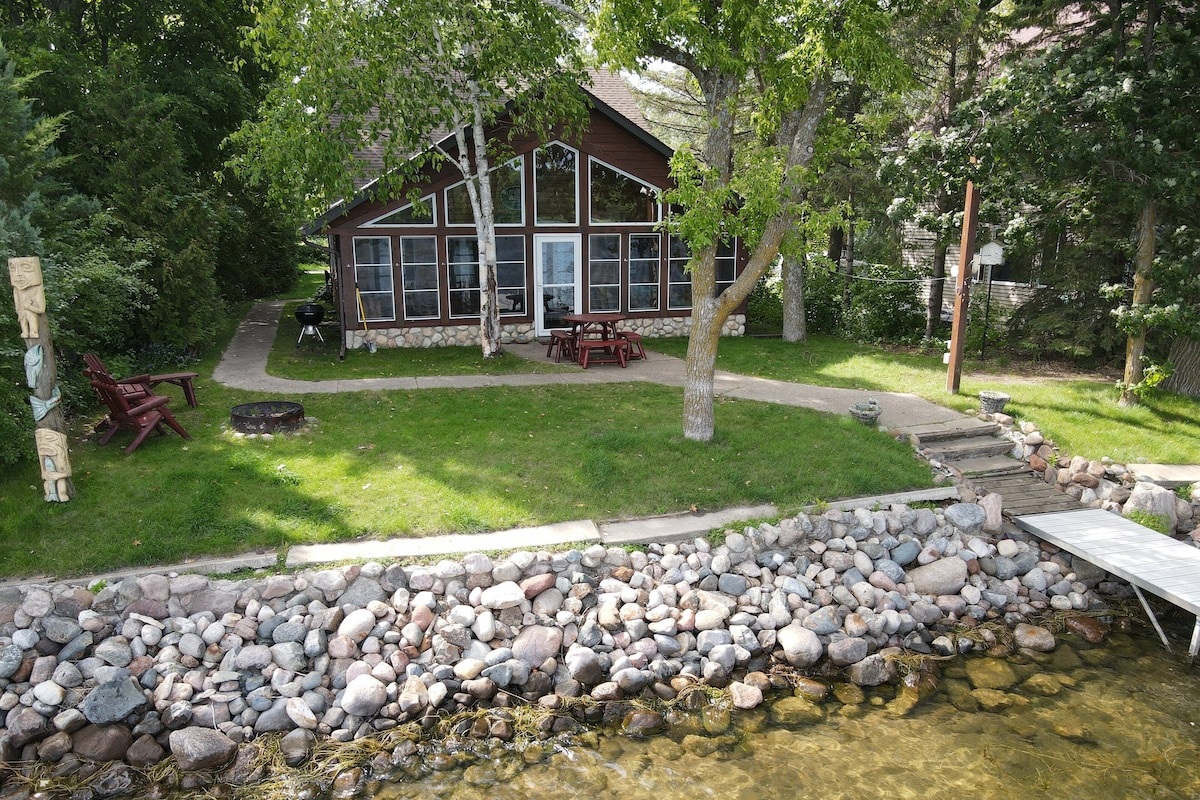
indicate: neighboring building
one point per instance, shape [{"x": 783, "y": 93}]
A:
[
  {"x": 577, "y": 231},
  {"x": 1009, "y": 285}
]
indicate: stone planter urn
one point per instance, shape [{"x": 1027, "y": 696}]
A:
[
  {"x": 992, "y": 402},
  {"x": 867, "y": 412}
]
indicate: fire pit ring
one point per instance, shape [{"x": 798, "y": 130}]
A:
[{"x": 267, "y": 416}]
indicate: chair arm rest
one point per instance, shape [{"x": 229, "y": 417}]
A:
[
  {"x": 153, "y": 402},
  {"x": 134, "y": 379}
]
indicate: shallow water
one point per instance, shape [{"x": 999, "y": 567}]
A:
[{"x": 1124, "y": 725}]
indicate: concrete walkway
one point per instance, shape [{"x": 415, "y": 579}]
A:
[{"x": 244, "y": 366}]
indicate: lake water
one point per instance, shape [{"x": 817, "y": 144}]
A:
[{"x": 1125, "y": 724}]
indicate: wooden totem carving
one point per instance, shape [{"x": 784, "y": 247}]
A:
[{"x": 41, "y": 376}]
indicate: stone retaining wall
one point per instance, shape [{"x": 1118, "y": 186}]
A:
[
  {"x": 189, "y": 668},
  {"x": 467, "y": 335}
]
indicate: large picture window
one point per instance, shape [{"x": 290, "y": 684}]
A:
[
  {"x": 556, "y": 188},
  {"x": 604, "y": 272},
  {"x": 419, "y": 274},
  {"x": 373, "y": 276},
  {"x": 616, "y": 198},
  {"x": 508, "y": 197},
  {"x": 644, "y": 264},
  {"x": 510, "y": 274}
]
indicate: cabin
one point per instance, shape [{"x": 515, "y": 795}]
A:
[{"x": 579, "y": 230}]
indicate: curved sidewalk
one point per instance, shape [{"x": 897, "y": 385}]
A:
[{"x": 244, "y": 366}]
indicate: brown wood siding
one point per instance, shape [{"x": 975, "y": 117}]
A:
[{"x": 605, "y": 140}]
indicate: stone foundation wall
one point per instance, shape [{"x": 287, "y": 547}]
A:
[{"x": 467, "y": 335}]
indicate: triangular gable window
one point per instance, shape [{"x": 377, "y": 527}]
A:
[
  {"x": 617, "y": 197},
  {"x": 407, "y": 216}
]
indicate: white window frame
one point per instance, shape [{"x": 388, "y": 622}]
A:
[
  {"x": 629, "y": 273},
  {"x": 451, "y": 288},
  {"x": 616, "y": 261},
  {"x": 686, "y": 274},
  {"x": 391, "y": 271},
  {"x": 533, "y": 173},
  {"x": 437, "y": 289},
  {"x": 428, "y": 222},
  {"x": 520, "y": 170},
  {"x": 500, "y": 288},
  {"x": 658, "y": 206}
]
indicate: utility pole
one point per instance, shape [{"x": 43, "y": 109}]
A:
[{"x": 962, "y": 288}]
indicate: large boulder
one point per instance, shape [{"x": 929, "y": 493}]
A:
[
  {"x": 1150, "y": 498},
  {"x": 944, "y": 576}
]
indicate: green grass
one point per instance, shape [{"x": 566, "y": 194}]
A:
[
  {"x": 384, "y": 464},
  {"x": 416, "y": 463},
  {"x": 1079, "y": 413},
  {"x": 313, "y": 360}
]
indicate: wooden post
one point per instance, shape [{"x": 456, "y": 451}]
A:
[
  {"x": 962, "y": 289},
  {"x": 41, "y": 376}
]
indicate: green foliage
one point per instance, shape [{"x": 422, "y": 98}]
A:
[
  {"x": 1071, "y": 324},
  {"x": 1155, "y": 522},
  {"x": 883, "y": 304},
  {"x": 764, "y": 306}
]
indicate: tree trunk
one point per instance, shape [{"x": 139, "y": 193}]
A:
[
  {"x": 699, "y": 371},
  {"x": 1185, "y": 358},
  {"x": 794, "y": 326},
  {"x": 1143, "y": 289},
  {"x": 708, "y": 310},
  {"x": 937, "y": 285},
  {"x": 489, "y": 300}
]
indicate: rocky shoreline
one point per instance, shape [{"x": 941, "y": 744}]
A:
[{"x": 184, "y": 669}]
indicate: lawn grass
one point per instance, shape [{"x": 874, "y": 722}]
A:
[
  {"x": 382, "y": 464},
  {"x": 1079, "y": 413}
]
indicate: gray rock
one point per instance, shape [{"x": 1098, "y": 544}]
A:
[
  {"x": 60, "y": 629},
  {"x": 732, "y": 584},
  {"x": 874, "y": 670},
  {"x": 823, "y": 621},
  {"x": 1034, "y": 637},
  {"x": 944, "y": 576},
  {"x": 503, "y": 595},
  {"x": 364, "y": 696},
  {"x": 10, "y": 659},
  {"x": 114, "y": 701},
  {"x": 845, "y": 652},
  {"x": 102, "y": 742},
  {"x": 253, "y": 657},
  {"x": 906, "y": 552},
  {"x": 800, "y": 645},
  {"x": 1153, "y": 499},
  {"x": 201, "y": 748},
  {"x": 584, "y": 665},
  {"x": 537, "y": 643},
  {"x": 967, "y": 517},
  {"x": 26, "y": 725},
  {"x": 296, "y": 745}
]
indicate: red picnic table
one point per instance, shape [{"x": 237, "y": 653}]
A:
[{"x": 595, "y": 338}]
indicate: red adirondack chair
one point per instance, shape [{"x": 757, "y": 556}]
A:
[
  {"x": 144, "y": 384},
  {"x": 142, "y": 414}
]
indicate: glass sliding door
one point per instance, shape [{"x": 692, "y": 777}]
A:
[{"x": 558, "y": 287}]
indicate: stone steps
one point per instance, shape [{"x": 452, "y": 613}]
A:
[
  {"x": 968, "y": 447},
  {"x": 950, "y": 431},
  {"x": 987, "y": 466}
]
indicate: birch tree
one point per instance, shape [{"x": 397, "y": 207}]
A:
[
  {"x": 785, "y": 60},
  {"x": 406, "y": 78}
]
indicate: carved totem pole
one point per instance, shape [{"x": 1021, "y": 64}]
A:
[{"x": 42, "y": 377}]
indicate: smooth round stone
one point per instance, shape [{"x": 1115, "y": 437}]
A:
[{"x": 25, "y": 638}]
